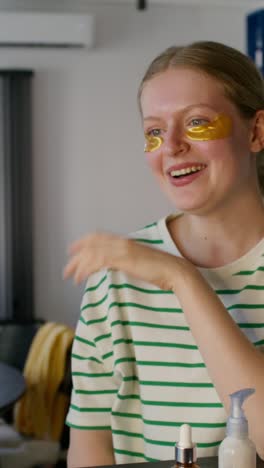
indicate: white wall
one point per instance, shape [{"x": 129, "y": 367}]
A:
[{"x": 89, "y": 169}]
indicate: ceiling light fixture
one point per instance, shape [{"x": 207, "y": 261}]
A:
[{"x": 141, "y": 4}]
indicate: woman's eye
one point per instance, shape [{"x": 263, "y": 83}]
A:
[
  {"x": 198, "y": 122},
  {"x": 154, "y": 132}
]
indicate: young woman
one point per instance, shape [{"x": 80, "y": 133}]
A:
[{"x": 172, "y": 319}]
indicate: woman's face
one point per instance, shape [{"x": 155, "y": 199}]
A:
[{"x": 212, "y": 170}]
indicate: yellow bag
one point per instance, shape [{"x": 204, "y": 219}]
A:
[{"x": 41, "y": 411}]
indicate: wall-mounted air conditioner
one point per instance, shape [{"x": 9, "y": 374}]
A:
[{"x": 32, "y": 29}]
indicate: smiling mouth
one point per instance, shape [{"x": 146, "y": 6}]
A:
[{"x": 187, "y": 171}]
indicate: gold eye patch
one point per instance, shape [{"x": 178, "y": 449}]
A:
[
  {"x": 219, "y": 128},
  {"x": 152, "y": 143}
]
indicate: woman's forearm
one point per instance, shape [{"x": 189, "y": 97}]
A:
[
  {"x": 231, "y": 359},
  {"x": 90, "y": 448}
]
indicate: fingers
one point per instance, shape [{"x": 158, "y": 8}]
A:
[
  {"x": 71, "y": 267},
  {"x": 93, "y": 240},
  {"x": 78, "y": 268},
  {"x": 76, "y": 246},
  {"x": 88, "y": 255},
  {"x": 100, "y": 250}
]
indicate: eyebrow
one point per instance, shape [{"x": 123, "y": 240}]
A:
[{"x": 186, "y": 109}]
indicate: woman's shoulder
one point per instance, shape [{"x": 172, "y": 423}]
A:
[
  {"x": 156, "y": 234},
  {"x": 147, "y": 233}
]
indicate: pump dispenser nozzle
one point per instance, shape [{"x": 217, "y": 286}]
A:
[{"x": 237, "y": 424}]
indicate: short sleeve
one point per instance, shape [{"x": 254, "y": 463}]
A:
[{"x": 94, "y": 386}]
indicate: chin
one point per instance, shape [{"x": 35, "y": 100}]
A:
[
  {"x": 188, "y": 206},
  {"x": 198, "y": 202},
  {"x": 193, "y": 207},
  {"x": 193, "y": 210}
]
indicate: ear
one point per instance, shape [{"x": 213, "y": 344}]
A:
[{"x": 257, "y": 135}]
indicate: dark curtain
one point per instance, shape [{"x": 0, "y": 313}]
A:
[{"x": 16, "y": 252}]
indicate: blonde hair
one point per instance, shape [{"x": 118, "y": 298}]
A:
[{"x": 242, "y": 82}]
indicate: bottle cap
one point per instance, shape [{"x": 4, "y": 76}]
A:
[
  {"x": 185, "y": 450},
  {"x": 237, "y": 425}
]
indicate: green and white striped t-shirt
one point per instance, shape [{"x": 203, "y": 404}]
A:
[{"x": 136, "y": 368}]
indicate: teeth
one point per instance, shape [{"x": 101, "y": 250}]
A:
[{"x": 188, "y": 170}]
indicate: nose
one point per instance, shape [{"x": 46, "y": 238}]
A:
[{"x": 175, "y": 144}]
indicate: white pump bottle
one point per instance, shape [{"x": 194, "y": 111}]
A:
[{"x": 237, "y": 450}]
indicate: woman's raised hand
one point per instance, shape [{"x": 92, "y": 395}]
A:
[{"x": 102, "y": 250}]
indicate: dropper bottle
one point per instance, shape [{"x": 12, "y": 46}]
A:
[
  {"x": 237, "y": 450},
  {"x": 185, "y": 450}
]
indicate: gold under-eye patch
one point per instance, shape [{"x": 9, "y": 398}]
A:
[
  {"x": 219, "y": 128},
  {"x": 152, "y": 143}
]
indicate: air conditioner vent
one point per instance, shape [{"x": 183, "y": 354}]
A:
[{"x": 20, "y": 29}]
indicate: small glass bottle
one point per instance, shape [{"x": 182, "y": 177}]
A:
[{"x": 185, "y": 450}]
